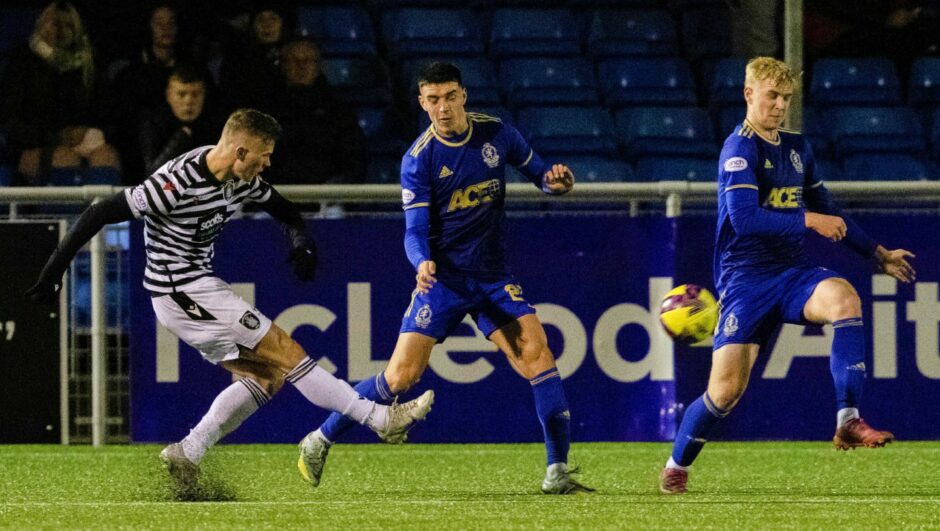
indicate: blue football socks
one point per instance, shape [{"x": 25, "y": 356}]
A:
[
  {"x": 375, "y": 389},
  {"x": 552, "y": 409},
  {"x": 847, "y": 361},
  {"x": 697, "y": 424}
]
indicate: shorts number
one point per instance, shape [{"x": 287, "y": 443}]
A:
[{"x": 515, "y": 292}]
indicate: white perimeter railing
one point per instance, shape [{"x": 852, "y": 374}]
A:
[{"x": 674, "y": 194}]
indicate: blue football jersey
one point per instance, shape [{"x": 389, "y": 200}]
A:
[
  {"x": 780, "y": 172},
  {"x": 462, "y": 181}
]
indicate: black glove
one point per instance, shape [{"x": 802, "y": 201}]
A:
[
  {"x": 44, "y": 292},
  {"x": 304, "y": 259}
]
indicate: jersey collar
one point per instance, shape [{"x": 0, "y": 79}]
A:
[
  {"x": 750, "y": 126},
  {"x": 456, "y": 140}
]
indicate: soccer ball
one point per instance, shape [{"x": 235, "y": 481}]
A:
[{"x": 689, "y": 313}]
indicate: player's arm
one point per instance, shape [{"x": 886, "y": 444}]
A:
[
  {"x": 416, "y": 202},
  {"x": 114, "y": 209},
  {"x": 737, "y": 180},
  {"x": 554, "y": 179},
  {"x": 303, "y": 254},
  {"x": 818, "y": 200}
]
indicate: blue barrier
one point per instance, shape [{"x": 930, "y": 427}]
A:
[{"x": 596, "y": 282}]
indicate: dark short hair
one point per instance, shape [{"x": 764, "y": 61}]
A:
[
  {"x": 190, "y": 73},
  {"x": 254, "y": 123},
  {"x": 439, "y": 72}
]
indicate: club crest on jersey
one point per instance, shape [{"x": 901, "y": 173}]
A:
[
  {"x": 423, "y": 317},
  {"x": 228, "y": 190},
  {"x": 490, "y": 155},
  {"x": 735, "y": 164},
  {"x": 797, "y": 162},
  {"x": 731, "y": 325},
  {"x": 250, "y": 321}
]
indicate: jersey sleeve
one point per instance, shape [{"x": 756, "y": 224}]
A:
[
  {"x": 156, "y": 196},
  {"x": 736, "y": 165},
  {"x": 260, "y": 190},
  {"x": 415, "y": 184},
  {"x": 524, "y": 158}
]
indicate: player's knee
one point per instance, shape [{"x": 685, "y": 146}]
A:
[
  {"x": 847, "y": 305},
  {"x": 727, "y": 394},
  {"x": 536, "y": 358},
  {"x": 400, "y": 381}
]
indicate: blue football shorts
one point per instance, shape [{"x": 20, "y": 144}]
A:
[
  {"x": 751, "y": 307},
  {"x": 491, "y": 304}
]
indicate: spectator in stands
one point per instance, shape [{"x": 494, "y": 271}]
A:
[
  {"x": 53, "y": 105},
  {"x": 184, "y": 122},
  {"x": 250, "y": 73},
  {"x": 322, "y": 140},
  {"x": 140, "y": 86}
]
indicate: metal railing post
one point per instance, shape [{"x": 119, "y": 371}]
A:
[{"x": 99, "y": 339}]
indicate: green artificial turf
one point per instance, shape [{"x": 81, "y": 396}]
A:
[{"x": 765, "y": 485}]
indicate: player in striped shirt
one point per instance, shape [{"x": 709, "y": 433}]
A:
[{"x": 184, "y": 205}]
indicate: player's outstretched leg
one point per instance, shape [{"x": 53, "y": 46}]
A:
[
  {"x": 847, "y": 364},
  {"x": 390, "y": 423},
  {"x": 552, "y": 409},
  {"x": 699, "y": 420}
]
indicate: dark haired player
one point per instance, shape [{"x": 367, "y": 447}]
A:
[{"x": 453, "y": 191}]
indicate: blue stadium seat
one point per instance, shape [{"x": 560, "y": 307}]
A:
[
  {"x": 65, "y": 177},
  {"x": 534, "y": 32},
  {"x": 382, "y": 131},
  {"x": 729, "y": 118},
  {"x": 827, "y": 170},
  {"x": 568, "y": 130},
  {"x": 726, "y": 83},
  {"x": 102, "y": 175},
  {"x": 666, "y": 131},
  {"x": 500, "y": 112},
  {"x": 924, "y": 82},
  {"x": 677, "y": 169},
  {"x": 597, "y": 169},
  {"x": 548, "y": 81},
  {"x": 16, "y": 23},
  {"x": 6, "y": 175},
  {"x": 626, "y": 82},
  {"x": 706, "y": 32},
  {"x": 358, "y": 80},
  {"x": 632, "y": 33},
  {"x": 478, "y": 75},
  {"x": 854, "y": 81},
  {"x": 815, "y": 132},
  {"x": 384, "y": 170},
  {"x": 340, "y": 31},
  {"x": 856, "y": 130},
  {"x": 885, "y": 168},
  {"x": 415, "y": 32}
]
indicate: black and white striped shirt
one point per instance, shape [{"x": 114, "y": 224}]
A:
[{"x": 184, "y": 208}]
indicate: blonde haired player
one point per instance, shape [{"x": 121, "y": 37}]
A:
[
  {"x": 769, "y": 196},
  {"x": 185, "y": 204}
]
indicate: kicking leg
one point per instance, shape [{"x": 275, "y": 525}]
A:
[
  {"x": 835, "y": 301},
  {"x": 731, "y": 369},
  {"x": 524, "y": 343}
]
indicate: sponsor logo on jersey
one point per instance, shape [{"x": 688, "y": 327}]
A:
[
  {"x": 731, "y": 325},
  {"x": 474, "y": 195},
  {"x": 735, "y": 164},
  {"x": 209, "y": 225},
  {"x": 784, "y": 197},
  {"x": 445, "y": 172},
  {"x": 140, "y": 198},
  {"x": 250, "y": 321},
  {"x": 797, "y": 162},
  {"x": 407, "y": 196},
  {"x": 423, "y": 317},
  {"x": 490, "y": 155}
]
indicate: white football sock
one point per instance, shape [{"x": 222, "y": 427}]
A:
[
  {"x": 329, "y": 392},
  {"x": 672, "y": 464},
  {"x": 233, "y": 405},
  {"x": 846, "y": 414}
]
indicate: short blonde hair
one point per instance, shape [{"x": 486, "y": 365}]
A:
[{"x": 779, "y": 73}]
